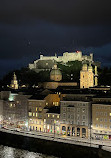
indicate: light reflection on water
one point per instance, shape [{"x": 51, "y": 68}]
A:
[{"x": 9, "y": 152}]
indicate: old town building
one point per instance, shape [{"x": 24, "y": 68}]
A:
[
  {"x": 101, "y": 121},
  {"x": 52, "y": 120},
  {"x": 75, "y": 117},
  {"x": 36, "y": 112}
]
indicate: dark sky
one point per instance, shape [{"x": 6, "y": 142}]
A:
[{"x": 31, "y": 27}]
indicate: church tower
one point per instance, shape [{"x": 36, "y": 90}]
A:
[
  {"x": 14, "y": 82},
  {"x": 86, "y": 76},
  {"x": 96, "y": 76}
]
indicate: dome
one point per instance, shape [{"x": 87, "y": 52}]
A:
[
  {"x": 55, "y": 75},
  {"x": 55, "y": 72}
]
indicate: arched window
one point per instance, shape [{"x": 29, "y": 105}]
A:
[
  {"x": 78, "y": 132},
  {"x": 83, "y": 132}
]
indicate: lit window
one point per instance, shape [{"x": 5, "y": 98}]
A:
[
  {"x": 52, "y": 115},
  {"x": 109, "y": 114},
  {"x": 40, "y": 109},
  {"x": 57, "y": 116},
  {"x": 36, "y": 114},
  {"x": 48, "y": 115},
  {"x": 11, "y": 104},
  {"x": 33, "y": 114},
  {"x": 83, "y": 110},
  {"x": 46, "y": 103},
  {"x": 30, "y": 113},
  {"x": 36, "y": 108},
  {"x": 97, "y": 119}
]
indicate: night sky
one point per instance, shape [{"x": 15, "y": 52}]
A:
[{"x": 29, "y": 28}]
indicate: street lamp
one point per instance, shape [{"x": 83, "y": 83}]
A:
[
  {"x": 90, "y": 133},
  {"x": 54, "y": 127}
]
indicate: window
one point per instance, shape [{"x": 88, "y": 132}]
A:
[
  {"x": 101, "y": 113},
  {"x": 11, "y": 105},
  {"x": 83, "y": 117},
  {"x": 48, "y": 115},
  {"x": 109, "y": 114},
  {"x": 83, "y": 123},
  {"x": 40, "y": 108},
  {"x": 36, "y": 108},
  {"x": 64, "y": 115},
  {"x": 105, "y": 113},
  {"x": 96, "y": 125},
  {"x": 52, "y": 115},
  {"x": 97, "y": 119},
  {"x": 105, "y": 126},
  {"x": 101, "y": 119},
  {"x": 57, "y": 116},
  {"x": 97, "y": 113},
  {"x": 36, "y": 114},
  {"x": 83, "y": 110},
  {"x": 33, "y": 114},
  {"x": 78, "y": 110},
  {"x": 30, "y": 113},
  {"x": 64, "y": 109},
  {"x": 78, "y": 117},
  {"x": 105, "y": 120},
  {"x": 68, "y": 109},
  {"x": 101, "y": 126}
]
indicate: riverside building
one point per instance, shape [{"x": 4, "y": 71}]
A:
[
  {"x": 75, "y": 118},
  {"x": 101, "y": 121}
]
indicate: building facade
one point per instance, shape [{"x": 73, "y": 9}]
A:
[
  {"x": 86, "y": 76},
  {"x": 14, "y": 111},
  {"x": 52, "y": 122},
  {"x": 101, "y": 121},
  {"x": 75, "y": 118},
  {"x": 36, "y": 114}
]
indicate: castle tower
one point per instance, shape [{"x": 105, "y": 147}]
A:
[
  {"x": 96, "y": 76},
  {"x": 91, "y": 55},
  {"x": 86, "y": 76},
  {"x": 55, "y": 74},
  {"x": 14, "y": 82}
]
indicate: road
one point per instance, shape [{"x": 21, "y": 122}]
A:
[{"x": 106, "y": 145}]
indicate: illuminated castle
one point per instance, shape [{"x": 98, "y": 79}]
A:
[
  {"x": 87, "y": 77},
  {"x": 14, "y": 82},
  {"x": 47, "y": 62}
]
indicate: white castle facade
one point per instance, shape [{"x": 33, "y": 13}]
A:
[{"x": 64, "y": 59}]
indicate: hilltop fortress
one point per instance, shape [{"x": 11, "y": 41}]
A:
[{"x": 47, "y": 62}]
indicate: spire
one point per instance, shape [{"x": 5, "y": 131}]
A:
[{"x": 14, "y": 82}]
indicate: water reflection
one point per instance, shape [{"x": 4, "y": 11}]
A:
[{"x": 9, "y": 152}]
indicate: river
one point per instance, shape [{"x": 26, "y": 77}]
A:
[{"x": 9, "y": 152}]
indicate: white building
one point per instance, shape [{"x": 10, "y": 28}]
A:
[{"x": 72, "y": 56}]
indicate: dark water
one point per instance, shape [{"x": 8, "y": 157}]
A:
[{"x": 9, "y": 152}]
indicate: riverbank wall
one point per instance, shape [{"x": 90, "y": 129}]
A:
[{"x": 50, "y": 147}]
